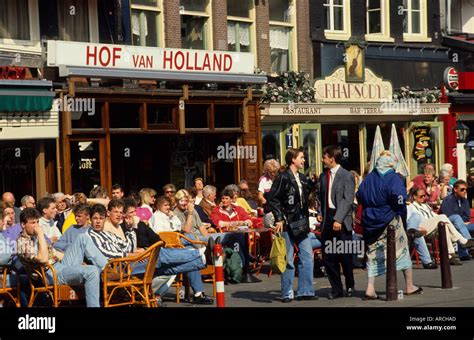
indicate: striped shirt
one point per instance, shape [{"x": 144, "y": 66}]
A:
[{"x": 111, "y": 245}]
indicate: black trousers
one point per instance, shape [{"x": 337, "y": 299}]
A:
[{"x": 333, "y": 259}]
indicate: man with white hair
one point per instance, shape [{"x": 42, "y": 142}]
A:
[{"x": 27, "y": 201}]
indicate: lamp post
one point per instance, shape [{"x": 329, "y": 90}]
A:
[{"x": 462, "y": 135}]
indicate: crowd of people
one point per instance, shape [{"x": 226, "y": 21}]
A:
[{"x": 79, "y": 233}]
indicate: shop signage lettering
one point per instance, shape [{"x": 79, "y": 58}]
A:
[
  {"x": 422, "y": 148},
  {"x": 305, "y": 110},
  {"x": 334, "y": 88},
  {"x": 87, "y": 163},
  {"x": 77, "y": 54}
]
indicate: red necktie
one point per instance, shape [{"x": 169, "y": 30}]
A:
[{"x": 327, "y": 193}]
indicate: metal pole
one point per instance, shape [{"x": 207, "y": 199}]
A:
[
  {"x": 219, "y": 272},
  {"x": 391, "y": 284},
  {"x": 446, "y": 281}
]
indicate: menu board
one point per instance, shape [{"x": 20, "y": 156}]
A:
[{"x": 422, "y": 148}]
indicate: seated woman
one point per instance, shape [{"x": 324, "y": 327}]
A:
[
  {"x": 191, "y": 223},
  {"x": 228, "y": 215},
  {"x": 429, "y": 223},
  {"x": 163, "y": 219}
]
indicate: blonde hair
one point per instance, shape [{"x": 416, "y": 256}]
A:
[
  {"x": 269, "y": 165},
  {"x": 146, "y": 194},
  {"x": 182, "y": 194}
]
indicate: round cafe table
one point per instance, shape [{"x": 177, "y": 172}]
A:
[{"x": 247, "y": 277}]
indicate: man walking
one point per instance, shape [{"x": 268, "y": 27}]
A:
[{"x": 337, "y": 190}]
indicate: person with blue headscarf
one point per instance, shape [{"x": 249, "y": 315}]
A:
[{"x": 383, "y": 198}]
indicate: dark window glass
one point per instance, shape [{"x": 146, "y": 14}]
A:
[
  {"x": 271, "y": 144},
  {"x": 227, "y": 116},
  {"x": 197, "y": 116},
  {"x": 238, "y": 8},
  {"x": 160, "y": 116},
  {"x": 86, "y": 119},
  {"x": 279, "y": 10},
  {"x": 124, "y": 115},
  {"x": 85, "y": 165}
]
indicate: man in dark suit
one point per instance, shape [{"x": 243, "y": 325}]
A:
[{"x": 337, "y": 190}]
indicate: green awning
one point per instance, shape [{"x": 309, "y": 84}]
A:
[{"x": 25, "y": 95}]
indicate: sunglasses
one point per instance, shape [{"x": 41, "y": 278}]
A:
[
  {"x": 462, "y": 189},
  {"x": 422, "y": 196},
  {"x": 170, "y": 192}
]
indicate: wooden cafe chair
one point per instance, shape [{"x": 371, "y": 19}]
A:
[{"x": 12, "y": 292}]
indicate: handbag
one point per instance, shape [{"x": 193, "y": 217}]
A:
[
  {"x": 299, "y": 228},
  {"x": 278, "y": 254}
]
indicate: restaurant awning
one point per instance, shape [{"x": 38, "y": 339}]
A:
[{"x": 25, "y": 95}]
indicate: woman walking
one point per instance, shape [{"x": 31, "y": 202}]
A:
[{"x": 383, "y": 196}]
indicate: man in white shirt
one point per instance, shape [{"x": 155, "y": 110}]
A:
[{"x": 47, "y": 208}]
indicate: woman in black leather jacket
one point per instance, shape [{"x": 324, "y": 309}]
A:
[{"x": 288, "y": 202}]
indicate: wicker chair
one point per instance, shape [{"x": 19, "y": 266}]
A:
[
  {"x": 39, "y": 283},
  {"x": 119, "y": 283},
  {"x": 12, "y": 292},
  {"x": 173, "y": 240}
]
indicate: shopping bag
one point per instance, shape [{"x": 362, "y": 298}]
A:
[{"x": 278, "y": 254}]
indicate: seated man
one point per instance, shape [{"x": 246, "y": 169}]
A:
[
  {"x": 32, "y": 248},
  {"x": 114, "y": 218},
  {"x": 457, "y": 208},
  {"x": 82, "y": 214},
  {"x": 112, "y": 246},
  {"x": 47, "y": 208}
]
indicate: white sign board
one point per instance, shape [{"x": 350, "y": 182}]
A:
[{"x": 78, "y": 54}]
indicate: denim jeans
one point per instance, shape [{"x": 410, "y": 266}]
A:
[
  {"x": 71, "y": 271},
  {"x": 463, "y": 229},
  {"x": 305, "y": 267},
  {"x": 315, "y": 243},
  {"x": 420, "y": 244}
]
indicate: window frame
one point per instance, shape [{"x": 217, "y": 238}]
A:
[
  {"x": 423, "y": 35},
  {"x": 345, "y": 33},
  {"x": 251, "y": 20},
  {"x": 293, "y": 43},
  {"x": 384, "y": 35},
  {"x": 34, "y": 44},
  {"x": 208, "y": 42},
  {"x": 158, "y": 9}
]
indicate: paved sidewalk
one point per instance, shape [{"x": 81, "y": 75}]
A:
[{"x": 267, "y": 293}]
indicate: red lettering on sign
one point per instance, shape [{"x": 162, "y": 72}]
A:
[
  {"x": 102, "y": 61},
  {"x": 168, "y": 59},
  {"x": 196, "y": 66},
  {"x": 180, "y": 65},
  {"x": 115, "y": 55},
  {"x": 206, "y": 65},
  {"x": 227, "y": 62},
  {"x": 92, "y": 54},
  {"x": 188, "y": 67},
  {"x": 217, "y": 62}
]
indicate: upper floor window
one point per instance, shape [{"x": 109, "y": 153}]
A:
[
  {"x": 282, "y": 35},
  {"x": 195, "y": 23},
  {"x": 378, "y": 20},
  {"x": 240, "y": 25},
  {"x": 19, "y": 25},
  {"x": 69, "y": 20},
  {"x": 415, "y": 20},
  {"x": 14, "y": 20},
  {"x": 337, "y": 19},
  {"x": 147, "y": 24}
]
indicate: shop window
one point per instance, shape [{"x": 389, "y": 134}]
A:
[
  {"x": 282, "y": 35},
  {"x": 124, "y": 115},
  {"x": 227, "y": 116},
  {"x": 85, "y": 165},
  {"x": 69, "y": 20},
  {"x": 337, "y": 18},
  {"x": 194, "y": 24},
  {"x": 160, "y": 116},
  {"x": 415, "y": 22},
  {"x": 345, "y": 136},
  {"x": 271, "y": 145},
  {"x": 146, "y": 23},
  {"x": 87, "y": 119},
  {"x": 197, "y": 116},
  {"x": 14, "y": 20},
  {"x": 386, "y": 131}
]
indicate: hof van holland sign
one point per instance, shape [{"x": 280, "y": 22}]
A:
[
  {"x": 78, "y": 54},
  {"x": 335, "y": 89}
]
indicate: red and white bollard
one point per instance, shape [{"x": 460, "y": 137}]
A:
[{"x": 219, "y": 271}]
